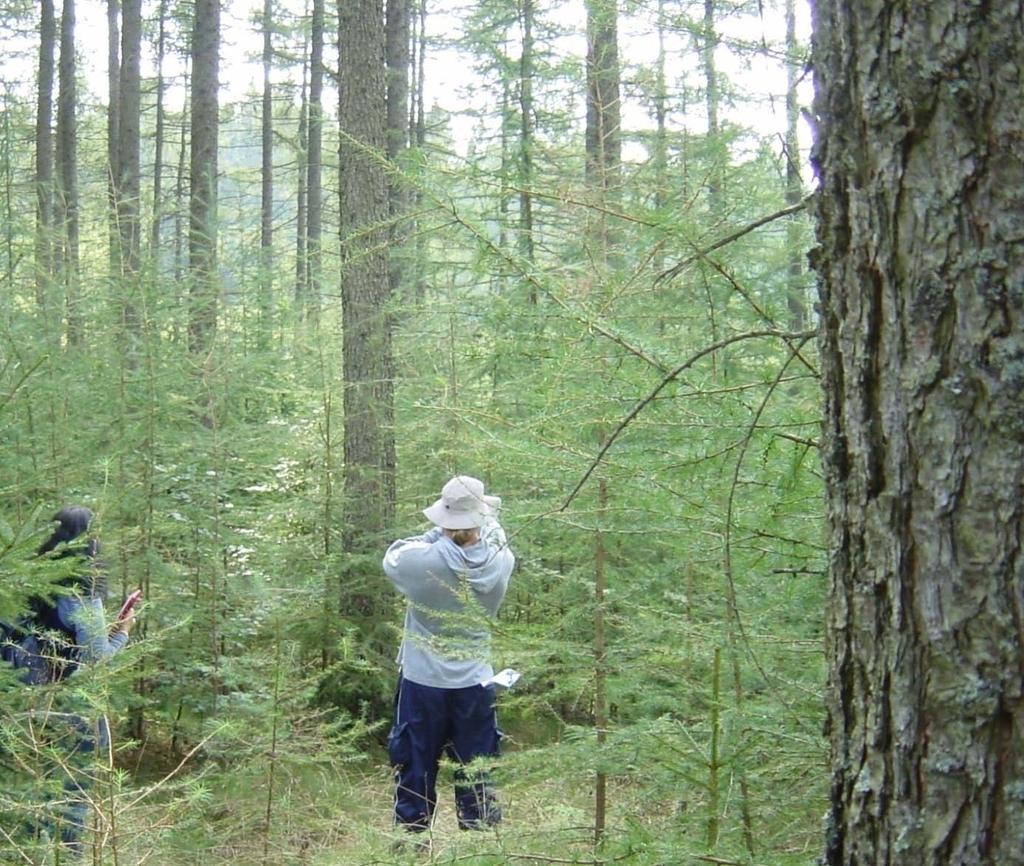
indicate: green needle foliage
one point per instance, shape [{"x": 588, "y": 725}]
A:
[{"x": 581, "y": 384}]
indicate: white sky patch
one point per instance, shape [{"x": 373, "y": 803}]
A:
[{"x": 756, "y": 76}]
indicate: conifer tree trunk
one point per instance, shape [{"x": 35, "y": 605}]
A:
[
  {"x": 600, "y": 665},
  {"x": 67, "y": 165},
  {"x": 158, "y": 144},
  {"x": 397, "y": 38},
  {"x": 180, "y": 182},
  {"x": 660, "y": 132},
  {"x": 127, "y": 179},
  {"x": 397, "y": 35},
  {"x": 794, "y": 185},
  {"x": 202, "y": 235},
  {"x": 44, "y": 155},
  {"x": 266, "y": 298},
  {"x": 601, "y": 174},
  {"x": 314, "y": 165},
  {"x": 301, "y": 211},
  {"x": 365, "y": 290},
  {"x": 417, "y": 128},
  {"x": 8, "y": 184},
  {"x": 113, "y": 134},
  {"x": 709, "y": 43},
  {"x": 419, "y": 124},
  {"x": 526, "y": 245},
  {"x": 920, "y": 114},
  {"x": 603, "y": 132}
]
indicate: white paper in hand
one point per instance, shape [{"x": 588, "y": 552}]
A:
[{"x": 506, "y": 678}]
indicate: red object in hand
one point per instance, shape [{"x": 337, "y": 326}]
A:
[{"x": 129, "y": 603}]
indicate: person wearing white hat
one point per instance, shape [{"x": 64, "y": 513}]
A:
[{"x": 454, "y": 578}]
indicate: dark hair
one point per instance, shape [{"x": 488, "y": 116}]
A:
[
  {"x": 463, "y": 537},
  {"x": 72, "y": 522}
]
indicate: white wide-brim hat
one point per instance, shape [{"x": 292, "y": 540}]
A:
[{"x": 462, "y": 505}]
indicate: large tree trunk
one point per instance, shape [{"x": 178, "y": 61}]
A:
[
  {"x": 921, "y": 113},
  {"x": 44, "y": 155},
  {"x": 202, "y": 236},
  {"x": 365, "y": 290}
]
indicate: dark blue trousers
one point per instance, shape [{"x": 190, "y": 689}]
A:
[{"x": 431, "y": 722}]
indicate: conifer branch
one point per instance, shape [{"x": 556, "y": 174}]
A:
[
  {"x": 674, "y": 374},
  {"x": 676, "y": 269}
]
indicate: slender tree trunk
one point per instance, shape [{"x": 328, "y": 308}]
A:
[
  {"x": 365, "y": 289},
  {"x": 314, "y": 166},
  {"x": 267, "y": 185},
  {"x": 709, "y": 44},
  {"x": 179, "y": 329},
  {"x": 44, "y": 156},
  {"x": 8, "y": 185},
  {"x": 202, "y": 236},
  {"x": 660, "y": 134},
  {"x": 420, "y": 125},
  {"x": 920, "y": 271},
  {"x": 67, "y": 162},
  {"x": 179, "y": 190},
  {"x": 418, "y": 131},
  {"x": 301, "y": 211},
  {"x": 600, "y": 667},
  {"x": 601, "y": 174},
  {"x": 603, "y": 132},
  {"x": 161, "y": 122},
  {"x": 127, "y": 179},
  {"x": 113, "y": 127},
  {"x": 526, "y": 245},
  {"x": 397, "y": 36},
  {"x": 794, "y": 185}
]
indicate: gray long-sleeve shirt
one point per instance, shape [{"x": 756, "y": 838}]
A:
[{"x": 453, "y": 592}]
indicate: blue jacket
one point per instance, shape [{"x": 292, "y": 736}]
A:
[{"x": 86, "y": 636}]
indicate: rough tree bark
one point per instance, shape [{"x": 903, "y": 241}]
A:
[
  {"x": 603, "y": 135},
  {"x": 67, "y": 170},
  {"x": 202, "y": 234},
  {"x": 795, "y": 302},
  {"x": 158, "y": 135},
  {"x": 397, "y": 61},
  {"x": 365, "y": 290},
  {"x": 267, "y": 183},
  {"x": 126, "y": 180},
  {"x": 44, "y": 154},
  {"x": 314, "y": 166},
  {"x": 919, "y": 150},
  {"x": 709, "y": 44},
  {"x": 113, "y": 135},
  {"x": 526, "y": 135}
]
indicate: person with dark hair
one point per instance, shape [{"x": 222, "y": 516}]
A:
[
  {"x": 57, "y": 637},
  {"x": 454, "y": 578}
]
